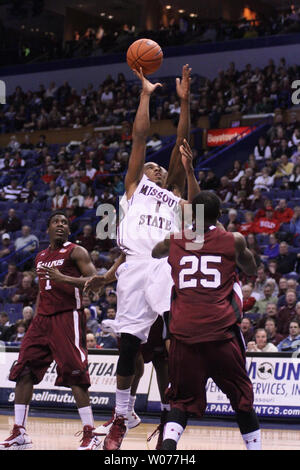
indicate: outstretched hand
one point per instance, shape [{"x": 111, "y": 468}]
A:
[
  {"x": 183, "y": 84},
  {"x": 94, "y": 284},
  {"x": 186, "y": 155},
  {"x": 147, "y": 87}
]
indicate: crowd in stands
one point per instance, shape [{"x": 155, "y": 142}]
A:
[
  {"x": 260, "y": 198},
  {"x": 23, "y": 46},
  {"x": 252, "y": 90}
]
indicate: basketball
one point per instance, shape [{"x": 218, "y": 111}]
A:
[{"x": 144, "y": 53}]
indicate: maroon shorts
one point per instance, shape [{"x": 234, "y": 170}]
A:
[
  {"x": 190, "y": 366},
  {"x": 60, "y": 337},
  {"x": 155, "y": 346}
]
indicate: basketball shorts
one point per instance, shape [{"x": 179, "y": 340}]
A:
[
  {"x": 155, "y": 346},
  {"x": 143, "y": 292},
  {"x": 60, "y": 337},
  {"x": 223, "y": 361}
]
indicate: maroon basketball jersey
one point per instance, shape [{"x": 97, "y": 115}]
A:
[
  {"x": 206, "y": 296},
  {"x": 56, "y": 297}
]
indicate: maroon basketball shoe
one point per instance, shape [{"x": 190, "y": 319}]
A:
[
  {"x": 159, "y": 430},
  {"x": 116, "y": 434},
  {"x": 90, "y": 440}
]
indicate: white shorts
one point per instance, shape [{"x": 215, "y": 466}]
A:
[{"x": 143, "y": 292}]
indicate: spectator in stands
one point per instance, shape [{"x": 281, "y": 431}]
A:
[
  {"x": 267, "y": 298},
  {"x": 270, "y": 312},
  {"x": 26, "y": 293},
  {"x": 105, "y": 339},
  {"x": 91, "y": 342},
  {"x": 111, "y": 313},
  {"x": 285, "y": 167},
  {"x": 247, "y": 329},
  {"x": 261, "y": 281},
  {"x": 295, "y": 222},
  {"x": 260, "y": 343},
  {"x": 285, "y": 261},
  {"x": 87, "y": 239},
  {"x": 77, "y": 184},
  {"x": 90, "y": 171},
  {"x": 287, "y": 312},
  {"x": 11, "y": 223},
  {"x": 272, "y": 250},
  {"x": 248, "y": 299},
  {"x": 264, "y": 181},
  {"x": 271, "y": 329},
  {"x": 292, "y": 342},
  {"x": 20, "y": 330},
  {"x": 294, "y": 179},
  {"x": 5, "y": 327},
  {"x": 12, "y": 192},
  {"x": 256, "y": 200},
  {"x": 92, "y": 324},
  {"x": 28, "y": 314},
  {"x": 211, "y": 181},
  {"x": 268, "y": 224},
  {"x": 225, "y": 190},
  {"x": 253, "y": 246},
  {"x": 27, "y": 241},
  {"x": 247, "y": 227},
  {"x": 154, "y": 144},
  {"x": 233, "y": 220},
  {"x": 76, "y": 197},
  {"x": 90, "y": 198},
  {"x": 49, "y": 176},
  {"x": 6, "y": 245},
  {"x": 262, "y": 150},
  {"x": 60, "y": 200},
  {"x": 13, "y": 277},
  {"x": 283, "y": 213}
]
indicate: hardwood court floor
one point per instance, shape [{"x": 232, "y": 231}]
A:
[{"x": 59, "y": 434}]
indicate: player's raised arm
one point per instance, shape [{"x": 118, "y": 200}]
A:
[
  {"x": 244, "y": 258},
  {"x": 96, "y": 283},
  {"x": 187, "y": 161},
  {"x": 161, "y": 249},
  {"x": 176, "y": 174},
  {"x": 83, "y": 261},
  {"x": 140, "y": 132}
]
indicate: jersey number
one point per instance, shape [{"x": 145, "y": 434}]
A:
[
  {"x": 203, "y": 261},
  {"x": 48, "y": 285}
]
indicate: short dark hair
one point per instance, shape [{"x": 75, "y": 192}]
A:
[
  {"x": 211, "y": 204},
  {"x": 58, "y": 212}
]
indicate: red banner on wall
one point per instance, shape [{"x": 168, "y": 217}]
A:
[{"x": 216, "y": 137}]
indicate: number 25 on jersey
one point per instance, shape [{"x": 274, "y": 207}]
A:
[{"x": 199, "y": 264}]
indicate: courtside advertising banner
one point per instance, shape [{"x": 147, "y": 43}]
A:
[
  {"x": 102, "y": 370},
  {"x": 218, "y": 137},
  {"x": 276, "y": 385}
]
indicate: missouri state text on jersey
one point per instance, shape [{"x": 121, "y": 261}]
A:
[
  {"x": 148, "y": 216},
  {"x": 57, "y": 297}
]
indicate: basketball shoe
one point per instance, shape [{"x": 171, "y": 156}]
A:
[
  {"x": 90, "y": 440},
  {"x": 116, "y": 434},
  {"x": 133, "y": 420},
  {"x": 18, "y": 440},
  {"x": 159, "y": 430}
]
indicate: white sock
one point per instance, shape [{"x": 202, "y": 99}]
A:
[
  {"x": 165, "y": 406},
  {"x": 21, "y": 413},
  {"x": 122, "y": 402},
  {"x": 132, "y": 399},
  {"x": 253, "y": 440},
  {"x": 173, "y": 431},
  {"x": 86, "y": 415}
]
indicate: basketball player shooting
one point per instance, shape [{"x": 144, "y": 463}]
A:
[
  {"x": 205, "y": 311},
  {"x": 57, "y": 332},
  {"x": 151, "y": 212}
]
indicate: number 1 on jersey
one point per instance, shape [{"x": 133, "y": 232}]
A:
[{"x": 48, "y": 285}]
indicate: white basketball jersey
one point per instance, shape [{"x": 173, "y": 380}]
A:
[{"x": 148, "y": 216}]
